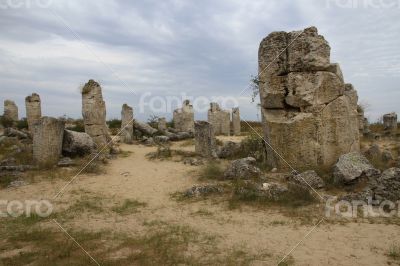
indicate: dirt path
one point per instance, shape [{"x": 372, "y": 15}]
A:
[{"x": 256, "y": 231}]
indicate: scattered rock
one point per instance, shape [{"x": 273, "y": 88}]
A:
[
  {"x": 17, "y": 183},
  {"x": 274, "y": 170},
  {"x": 161, "y": 139},
  {"x": 11, "y": 132},
  {"x": 388, "y": 185},
  {"x": 229, "y": 149},
  {"x": 149, "y": 142},
  {"x": 351, "y": 167},
  {"x": 203, "y": 190},
  {"x": 77, "y": 143},
  {"x": 193, "y": 161},
  {"x": 16, "y": 168},
  {"x": 307, "y": 178},
  {"x": 243, "y": 169},
  {"x": 65, "y": 162}
]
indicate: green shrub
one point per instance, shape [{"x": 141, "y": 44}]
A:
[
  {"x": 6, "y": 122},
  {"x": 114, "y": 123},
  {"x": 22, "y": 124},
  {"x": 211, "y": 170}
]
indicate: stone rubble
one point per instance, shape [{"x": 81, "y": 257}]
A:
[
  {"x": 77, "y": 143},
  {"x": 242, "y": 169}
]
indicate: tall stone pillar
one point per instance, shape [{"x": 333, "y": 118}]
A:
[
  {"x": 308, "y": 113},
  {"x": 10, "y": 110},
  {"x": 127, "y": 123},
  {"x": 220, "y": 119},
  {"x": 33, "y": 110},
  {"x": 94, "y": 114},
  {"x": 390, "y": 121},
  {"x": 205, "y": 142},
  {"x": 48, "y": 135},
  {"x": 184, "y": 118},
  {"x": 236, "y": 121}
]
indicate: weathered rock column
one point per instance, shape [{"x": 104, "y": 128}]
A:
[
  {"x": 10, "y": 110},
  {"x": 205, "y": 143},
  {"x": 220, "y": 119},
  {"x": 162, "y": 124},
  {"x": 184, "y": 118},
  {"x": 94, "y": 114},
  {"x": 236, "y": 121},
  {"x": 33, "y": 110},
  {"x": 48, "y": 135},
  {"x": 308, "y": 113},
  {"x": 390, "y": 121},
  {"x": 127, "y": 123}
]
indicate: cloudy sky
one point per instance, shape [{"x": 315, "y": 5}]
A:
[{"x": 143, "y": 52}]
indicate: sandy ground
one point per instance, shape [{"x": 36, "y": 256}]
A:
[{"x": 153, "y": 182}]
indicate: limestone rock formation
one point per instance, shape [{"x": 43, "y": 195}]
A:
[
  {"x": 48, "y": 135},
  {"x": 390, "y": 121},
  {"x": 351, "y": 167},
  {"x": 33, "y": 109},
  {"x": 236, "y": 121},
  {"x": 388, "y": 185},
  {"x": 220, "y": 119},
  {"x": 94, "y": 113},
  {"x": 127, "y": 124},
  {"x": 242, "y": 169},
  {"x": 205, "y": 142},
  {"x": 309, "y": 114},
  {"x": 10, "y": 110},
  {"x": 77, "y": 143},
  {"x": 162, "y": 124},
  {"x": 307, "y": 178},
  {"x": 184, "y": 118},
  {"x": 144, "y": 128}
]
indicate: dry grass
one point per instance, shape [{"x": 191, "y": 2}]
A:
[{"x": 211, "y": 171}]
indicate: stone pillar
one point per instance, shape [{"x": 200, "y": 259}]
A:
[
  {"x": 205, "y": 143},
  {"x": 162, "y": 124},
  {"x": 10, "y": 110},
  {"x": 127, "y": 123},
  {"x": 390, "y": 121},
  {"x": 308, "y": 113},
  {"x": 184, "y": 118},
  {"x": 33, "y": 110},
  {"x": 220, "y": 119},
  {"x": 236, "y": 121},
  {"x": 94, "y": 114},
  {"x": 48, "y": 135}
]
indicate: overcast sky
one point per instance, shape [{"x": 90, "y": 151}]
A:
[{"x": 142, "y": 49}]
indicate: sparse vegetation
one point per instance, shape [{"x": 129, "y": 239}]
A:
[
  {"x": 22, "y": 124},
  {"x": 129, "y": 206},
  {"x": 212, "y": 171},
  {"x": 394, "y": 251},
  {"x": 6, "y": 122}
]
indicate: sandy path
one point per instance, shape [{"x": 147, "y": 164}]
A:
[{"x": 154, "y": 181}]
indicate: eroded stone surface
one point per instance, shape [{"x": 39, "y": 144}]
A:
[
  {"x": 47, "y": 140},
  {"x": 236, "y": 121},
  {"x": 205, "y": 142},
  {"x": 94, "y": 113},
  {"x": 309, "y": 114},
  {"x": 162, "y": 124},
  {"x": 184, "y": 118},
  {"x": 33, "y": 110},
  {"x": 10, "y": 110},
  {"x": 127, "y": 123},
  {"x": 390, "y": 121},
  {"x": 220, "y": 119}
]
